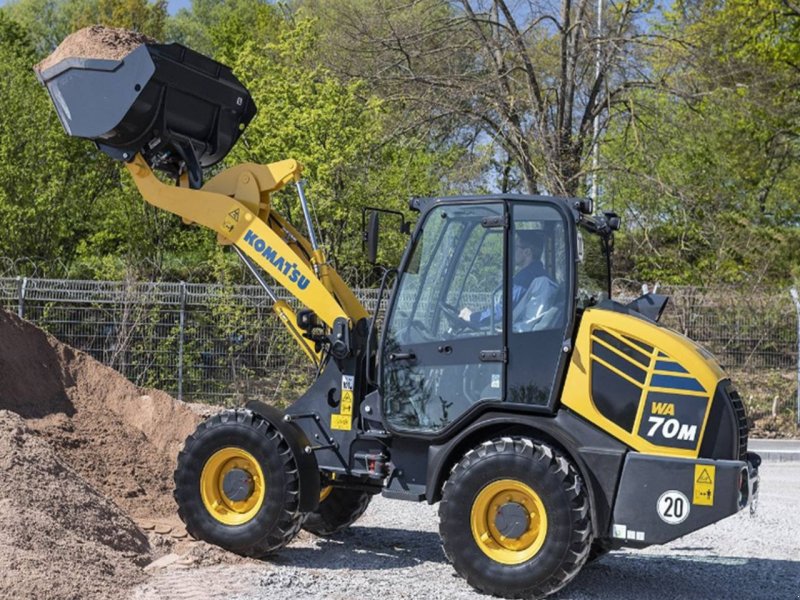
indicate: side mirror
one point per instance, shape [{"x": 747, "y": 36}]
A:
[
  {"x": 371, "y": 227},
  {"x": 371, "y": 236}
]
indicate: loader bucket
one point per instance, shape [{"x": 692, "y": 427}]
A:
[{"x": 179, "y": 109}]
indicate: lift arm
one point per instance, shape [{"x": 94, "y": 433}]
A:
[{"x": 236, "y": 205}]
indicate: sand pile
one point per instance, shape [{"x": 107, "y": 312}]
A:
[
  {"x": 92, "y": 547},
  {"x": 96, "y": 41},
  {"x": 122, "y": 440},
  {"x": 116, "y": 447}
]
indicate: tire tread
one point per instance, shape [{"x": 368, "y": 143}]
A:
[
  {"x": 290, "y": 520},
  {"x": 560, "y": 468}
]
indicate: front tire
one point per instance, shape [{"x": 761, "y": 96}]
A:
[
  {"x": 514, "y": 518},
  {"x": 237, "y": 485}
]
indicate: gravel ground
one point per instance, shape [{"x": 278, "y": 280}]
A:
[{"x": 394, "y": 552}]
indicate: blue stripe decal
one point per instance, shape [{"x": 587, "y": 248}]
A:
[
  {"x": 670, "y": 366},
  {"x": 676, "y": 383}
]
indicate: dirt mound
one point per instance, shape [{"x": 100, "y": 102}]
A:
[
  {"x": 123, "y": 440},
  {"x": 83, "y": 452},
  {"x": 96, "y": 41},
  {"x": 59, "y": 537}
]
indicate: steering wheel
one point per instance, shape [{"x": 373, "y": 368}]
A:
[{"x": 455, "y": 321}]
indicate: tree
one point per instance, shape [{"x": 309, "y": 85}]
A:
[
  {"x": 49, "y": 183},
  {"x": 48, "y": 22},
  {"x": 336, "y": 130},
  {"x": 706, "y": 168},
  {"x": 527, "y": 78}
]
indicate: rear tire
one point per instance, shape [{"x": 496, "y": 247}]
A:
[
  {"x": 251, "y": 524},
  {"x": 340, "y": 508},
  {"x": 514, "y": 518}
]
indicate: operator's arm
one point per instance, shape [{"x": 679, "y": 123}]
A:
[{"x": 481, "y": 317}]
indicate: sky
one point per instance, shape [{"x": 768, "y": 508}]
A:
[{"x": 174, "y": 6}]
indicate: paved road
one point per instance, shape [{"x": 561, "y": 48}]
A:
[
  {"x": 776, "y": 450},
  {"x": 394, "y": 552}
]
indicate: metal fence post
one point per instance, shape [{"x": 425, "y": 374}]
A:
[
  {"x": 796, "y": 298},
  {"x": 181, "y": 332},
  {"x": 23, "y": 285}
]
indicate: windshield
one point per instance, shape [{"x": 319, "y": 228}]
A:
[{"x": 593, "y": 276}]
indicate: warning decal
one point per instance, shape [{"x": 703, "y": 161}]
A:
[
  {"x": 341, "y": 422},
  {"x": 347, "y": 403},
  {"x": 231, "y": 219},
  {"x": 704, "y": 476},
  {"x": 344, "y": 420}
]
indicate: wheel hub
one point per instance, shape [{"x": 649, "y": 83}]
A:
[
  {"x": 512, "y": 520},
  {"x": 508, "y": 521},
  {"x": 232, "y": 486},
  {"x": 237, "y": 485}
]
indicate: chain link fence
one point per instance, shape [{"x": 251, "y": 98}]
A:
[
  {"x": 205, "y": 342},
  {"x": 199, "y": 342}
]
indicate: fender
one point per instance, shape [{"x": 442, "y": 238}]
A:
[
  {"x": 308, "y": 470},
  {"x": 598, "y": 456}
]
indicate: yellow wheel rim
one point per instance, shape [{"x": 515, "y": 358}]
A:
[
  {"x": 212, "y": 479},
  {"x": 325, "y": 492},
  {"x": 485, "y": 531}
]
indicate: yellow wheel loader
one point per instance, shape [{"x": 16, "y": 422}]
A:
[{"x": 549, "y": 422}]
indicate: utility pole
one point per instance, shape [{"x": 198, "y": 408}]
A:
[{"x": 596, "y": 122}]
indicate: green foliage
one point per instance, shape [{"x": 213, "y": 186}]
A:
[
  {"x": 222, "y": 28},
  {"x": 705, "y": 169},
  {"x": 48, "y": 22},
  {"x": 49, "y": 184},
  {"x": 336, "y": 133}
]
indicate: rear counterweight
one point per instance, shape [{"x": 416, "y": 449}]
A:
[{"x": 661, "y": 499}]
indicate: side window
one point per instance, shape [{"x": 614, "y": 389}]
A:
[
  {"x": 477, "y": 282},
  {"x": 539, "y": 256},
  {"x": 415, "y": 313},
  {"x": 592, "y": 270}
]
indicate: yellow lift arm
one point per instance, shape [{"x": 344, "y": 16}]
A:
[{"x": 236, "y": 204}]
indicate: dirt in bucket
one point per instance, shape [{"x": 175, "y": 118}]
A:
[{"x": 97, "y": 41}]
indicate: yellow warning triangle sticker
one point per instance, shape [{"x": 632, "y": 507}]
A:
[
  {"x": 704, "y": 477},
  {"x": 234, "y": 214}
]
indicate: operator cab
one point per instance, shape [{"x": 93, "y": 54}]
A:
[{"x": 483, "y": 311}]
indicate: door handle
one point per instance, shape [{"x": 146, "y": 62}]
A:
[{"x": 402, "y": 356}]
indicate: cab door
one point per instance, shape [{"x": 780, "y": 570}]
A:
[
  {"x": 443, "y": 343},
  {"x": 541, "y": 320}
]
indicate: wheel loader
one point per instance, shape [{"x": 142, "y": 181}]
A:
[{"x": 550, "y": 422}]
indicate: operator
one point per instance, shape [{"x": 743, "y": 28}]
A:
[{"x": 528, "y": 246}]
